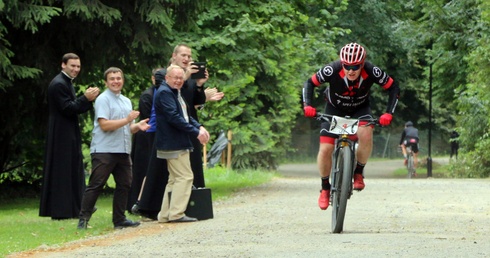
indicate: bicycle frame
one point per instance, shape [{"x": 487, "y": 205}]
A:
[{"x": 410, "y": 162}]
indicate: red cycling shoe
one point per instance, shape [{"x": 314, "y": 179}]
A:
[
  {"x": 358, "y": 182},
  {"x": 324, "y": 199}
]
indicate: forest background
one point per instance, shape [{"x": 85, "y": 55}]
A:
[{"x": 259, "y": 54}]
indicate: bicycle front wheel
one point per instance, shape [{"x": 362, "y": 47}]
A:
[{"x": 342, "y": 187}]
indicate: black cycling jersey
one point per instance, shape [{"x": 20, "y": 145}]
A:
[
  {"x": 409, "y": 132},
  {"x": 348, "y": 95}
]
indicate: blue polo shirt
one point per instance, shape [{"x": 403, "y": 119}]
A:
[{"x": 111, "y": 107}]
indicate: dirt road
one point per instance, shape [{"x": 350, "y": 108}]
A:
[{"x": 391, "y": 217}]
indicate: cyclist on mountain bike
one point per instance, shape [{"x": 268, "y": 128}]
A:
[
  {"x": 350, "y": 80},
  {"x": 410, "y": 137}
]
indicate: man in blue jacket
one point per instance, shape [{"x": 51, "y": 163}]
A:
[{"x": 175, "y": 127}]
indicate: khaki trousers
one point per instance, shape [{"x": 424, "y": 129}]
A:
[{"x": 180, "y": 184}]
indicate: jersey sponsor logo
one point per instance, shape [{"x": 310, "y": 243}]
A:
[
  {"x": 348, "y": 93},
  {"x": 383, "y": 80},
  {"x": 351, "y": 105},
  {"x": 377, "y": 72},
  {"x": 344, "y": 95},
  {"x": 328, "y": 70}
]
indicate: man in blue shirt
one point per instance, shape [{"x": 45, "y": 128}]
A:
[{"x": 110, "y": 149}]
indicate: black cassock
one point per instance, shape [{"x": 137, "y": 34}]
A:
[
  {"x": 141, "y": 148},
  {"x": 64, "y": 176}
]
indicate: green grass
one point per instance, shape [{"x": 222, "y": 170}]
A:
[
  {"x": 22, "y": 228},
  {"x": 438, "y": 170},
  {"x": 224, "y": 182}
]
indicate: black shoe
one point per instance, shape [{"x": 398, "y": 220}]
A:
[
  {"x": 127, "y": 223},
  {"x": 82, "y": 224},
  {"x": 184, "y": 219}
]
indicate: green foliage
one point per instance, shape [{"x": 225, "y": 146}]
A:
[
  {"x": 443, "y": 34},
  {"x": 92, "y": 10},
  {"x": 29, "y": 16},
  {"x": 473, "y": 104},
  {"x": 267, "y": 61},
  {"x": 224, "y": 182},
  {"x": 469, "y": 167},
  {"x": 377, "y": 30}
]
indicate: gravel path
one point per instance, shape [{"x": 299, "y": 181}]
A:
[{"x": 391, "y": 217}]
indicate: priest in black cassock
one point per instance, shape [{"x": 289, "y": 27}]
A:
[{"x": 64, "y": 176}]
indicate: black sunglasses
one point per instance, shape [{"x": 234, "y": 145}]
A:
[{"x": 352, "y": 67}]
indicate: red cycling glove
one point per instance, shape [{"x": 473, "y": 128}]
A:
[
  {"x": 385, "y": 119},
  {"x": 309, "y": 111}
]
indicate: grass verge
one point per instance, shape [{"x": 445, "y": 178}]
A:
[
  {"x": 438, "y": 170},
  {"x": 22, "y": 228}
]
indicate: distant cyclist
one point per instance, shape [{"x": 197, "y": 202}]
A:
[
  {"x": 350, "y": 80},
  {"x": 410, "y": 137}
]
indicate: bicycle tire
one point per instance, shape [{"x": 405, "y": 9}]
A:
[
  {"x": 410, "y": 166},
  {"x": 343, "y": 188},
  {"x": 337, "y": 162}
]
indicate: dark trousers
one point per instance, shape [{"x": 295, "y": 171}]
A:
[
  {"x": 103, "y": 164},
  {"x": 196, "y": 163},
  {"x": 454, "y": 149}
]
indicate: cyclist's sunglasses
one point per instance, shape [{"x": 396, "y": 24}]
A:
[{"x": 352, "y": 67}]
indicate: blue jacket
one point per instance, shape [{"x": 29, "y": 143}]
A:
[{"x": 173, "y": 132}]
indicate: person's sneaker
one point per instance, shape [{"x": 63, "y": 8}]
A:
[
  {"x": 324, "y": 199},
  {"x": 126, "y": 224},
  {"x": 184, "y": 219},
  {"x": 135, "y": 209},
  {"x": 82, "y": 224},
  {"x": 358, "y": 182}
]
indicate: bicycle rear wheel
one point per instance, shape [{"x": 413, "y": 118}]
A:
[
  {"x": 341, "y": 188},
  {"x": 410, "y": 166}
]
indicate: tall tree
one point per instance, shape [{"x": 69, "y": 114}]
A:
[
  {"x": 473, "y": 103},
  {"x": 259, "y": 54},
  {"x": 375, "y": 24}
]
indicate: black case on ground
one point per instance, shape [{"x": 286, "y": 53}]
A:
[{"x": 200, "y": 204}]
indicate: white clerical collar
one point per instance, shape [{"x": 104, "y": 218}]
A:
[{"x": 71, "y": 78}]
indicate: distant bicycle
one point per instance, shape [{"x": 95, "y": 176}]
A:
[
  {"x": 410, "y": 163},
  {"x": 343, "y": 163}
]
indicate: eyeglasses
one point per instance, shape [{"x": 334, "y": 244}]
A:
[
  {"x": 352, "y": 67},
  {"x": 176, "y": 77}
]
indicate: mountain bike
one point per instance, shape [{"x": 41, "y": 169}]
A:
[
  {"x": 410, "y": 162},
  {"x": 343, "y": 163}
]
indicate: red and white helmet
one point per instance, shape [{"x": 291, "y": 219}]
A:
[{"x": 352, "y": 54}]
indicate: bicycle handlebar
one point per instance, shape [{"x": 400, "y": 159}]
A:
[{"x": 368, "y": 118}]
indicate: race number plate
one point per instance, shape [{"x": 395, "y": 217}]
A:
[{"x": 342, "y": 125}]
